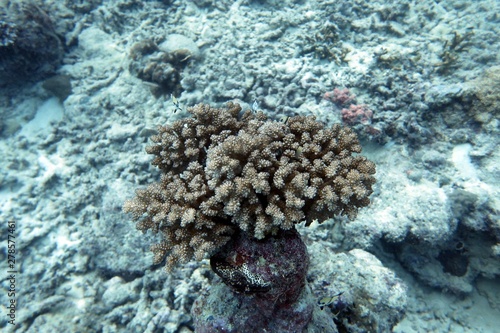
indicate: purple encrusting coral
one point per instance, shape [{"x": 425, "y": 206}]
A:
[
  {"x": 261, "y": 290},
  {"x": 259, "y": 266}
]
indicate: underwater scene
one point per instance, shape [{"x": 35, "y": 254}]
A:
[{"x": 246, "y": 166}]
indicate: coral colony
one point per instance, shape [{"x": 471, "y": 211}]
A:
[{"x": 233, "y": 187}]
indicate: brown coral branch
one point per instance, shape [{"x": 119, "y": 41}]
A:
[{"x": 224, "y": 172}]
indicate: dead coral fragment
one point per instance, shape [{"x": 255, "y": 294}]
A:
[{"x": 224, "y": 172}]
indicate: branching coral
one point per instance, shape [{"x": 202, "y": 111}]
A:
[{"x": 224, "y": 172}]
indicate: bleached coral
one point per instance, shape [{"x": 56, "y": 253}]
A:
[{"x": 224, "y": 172}]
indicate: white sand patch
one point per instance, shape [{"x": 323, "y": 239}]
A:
[
  {"x": 461, "y": 160},
  {"x": 52, "y": 165},
  {"x": 359, "y": 61},
  {"x": 48, "y": 113}
]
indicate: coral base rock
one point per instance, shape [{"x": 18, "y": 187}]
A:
[{"x": 263, "y": 289}]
